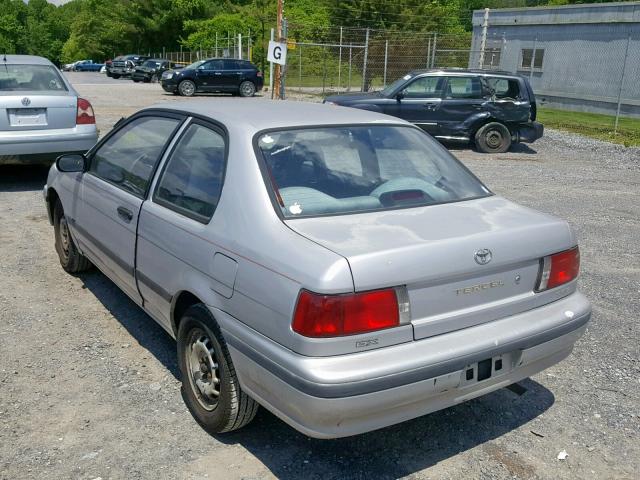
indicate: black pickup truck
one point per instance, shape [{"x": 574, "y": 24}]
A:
[{"x": 124, "y": 65}]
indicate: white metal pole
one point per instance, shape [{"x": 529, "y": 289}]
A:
[
  {"x": 240, "y": 46},
  {"x": 624, "y": 68},
  {"x": 483, "y": 40},
  {"x": 364, "y": 63},
  {"x": 340, "y": 59},
  {"x": 386, "y": 54}
]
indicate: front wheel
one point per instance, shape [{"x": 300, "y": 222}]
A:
[
  {"x": 493, "y": 137},
  {"x": 115, "y": 76},
  {"x": 247, "y": 89},
  {"x": 70, "y": 258},
  {"x": 210, "y": 385},
  {"x": 187, "y": 88},
  {"x": 154, "y": 79}
]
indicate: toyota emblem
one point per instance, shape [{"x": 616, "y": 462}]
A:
[
  {"x": 26, "y": 101},
  {"x": 482, "y": 256}
]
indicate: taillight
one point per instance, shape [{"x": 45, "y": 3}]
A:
[
  {"x": 559, "y": 269},
  {"x": 259, "y": 74},
  {"x": 319, "y": 315},
  {"x": 84, "y": 114}
]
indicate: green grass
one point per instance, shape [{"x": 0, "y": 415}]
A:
[{"x": 593, "y": 125}]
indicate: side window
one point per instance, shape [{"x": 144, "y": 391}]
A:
[
  {"x": 504, "y": 88},
  {"x": 425, "y": 87},
  {"x": 128, "y": 158},
  {"x": 212, "y": 65},
  {"x": 192, "y": 179},
  {"x": 464, "y": 87}
]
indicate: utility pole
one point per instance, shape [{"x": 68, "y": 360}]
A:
[
  {"x": 278, "y": 70},
  {"x": 483, "y": 40}
]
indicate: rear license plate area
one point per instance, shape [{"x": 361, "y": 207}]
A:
[
  {"x": 27, "y": 117},
  {"x": 486, "y": 369}
]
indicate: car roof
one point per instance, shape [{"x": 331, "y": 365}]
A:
[
  {"x": 465, "y": 71},
  {"x": 265, "y": 114},
  {"x": 25, "y": 60}
]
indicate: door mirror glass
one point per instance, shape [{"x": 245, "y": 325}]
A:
[{"x": 72, "y": 162}]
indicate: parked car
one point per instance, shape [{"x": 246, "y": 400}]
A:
[
  {"x": 337, "y": 266},
  {"x": 124, "y": 65},
  {"x": 221, "y": 75},
  {"x": 488, "y": 108},
  {"x": 151, "y": 70},
  {"x": 71, "y": 67},
  {"x": 41, "y": 115},
  {"x": 89, "y": 67}
]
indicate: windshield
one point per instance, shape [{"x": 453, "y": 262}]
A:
[
  {"x": 194, "y": 65},
  {"x": 30, "y": 78},
  {"x": 351, "y": 169},
  {"x": 390, "y": 88}
]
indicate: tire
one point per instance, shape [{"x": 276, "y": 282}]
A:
[
  {"x": 135, "y": 81},
  {"x": 154, "y": 79},
  {"x": 187, "y": 88},
  {"x": 247, "y": 89},
  {"x": 493, "y": 137},
  {"x": 115, "y": 76},
  {"x": 71, "y": 259},
  {"x": 202, "y": 357}
]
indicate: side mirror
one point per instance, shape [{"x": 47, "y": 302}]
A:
[
  {"x": 401, "y": 94},
  {"x": 72, "y": 162}
]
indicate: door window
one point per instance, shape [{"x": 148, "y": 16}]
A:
[
  {"x": 464, "y": 87},
  {"x": 212, "y": 65},
  {"x": 129, "y": 157},
  {"x": 425, "y": 87},
  {"x": 192, "y": 179}
]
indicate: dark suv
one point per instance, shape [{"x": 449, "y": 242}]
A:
[
  {"x": 214, "y": 75},
  {"x": 151, "y": 70},
  {"x": 492, "y": 109}
]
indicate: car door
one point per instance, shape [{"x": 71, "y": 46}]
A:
[
  {"x": 232, "y": 74},
  {"x": 464, "y": 97},
  {"x": 172, "y": 232},
  {"x": 419, "y": 103},
  {"x": 112, "y": 192},
  {"x": 209, "y": 76}
]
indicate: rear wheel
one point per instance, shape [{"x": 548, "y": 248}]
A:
[
  {"x": 493, "y": 137},
  {"x": 187, "y": 88},
  {"x": 247, "y": 89},
  {"x": 116, "y": 76},
  {"x": 70, "y": 258},
  {"x": 154, "y": 78},
  {"x": 136, "y": 81},
  {"x": 210, "y": 386}
]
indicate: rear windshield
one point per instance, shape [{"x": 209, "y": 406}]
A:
[
  {"x": 152, "y": 64},
  {"x": 30, "y": 78},
  {"x": 337, "y": 170}
]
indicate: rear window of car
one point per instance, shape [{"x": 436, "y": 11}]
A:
[
  {"x": 14, "y": 77},
  {"x": 352, "y": 169}
]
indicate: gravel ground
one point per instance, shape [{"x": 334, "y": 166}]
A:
[{"x": 89, "y": 384}]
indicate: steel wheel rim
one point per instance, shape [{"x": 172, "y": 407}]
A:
[
  {"x": 247, "y": 89},
  {"x": 202, "y": 369},
  {"x": 494, "y": 139},
  {"x": 187, "y": 89},
  {"x": 65, "y": 239}
]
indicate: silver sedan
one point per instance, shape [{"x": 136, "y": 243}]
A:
[
  {"x": 41, "y": 115},
  {"x": 336, "y": 266}
]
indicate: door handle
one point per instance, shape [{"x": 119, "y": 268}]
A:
[
  {"x": 430, "y": 106},
  {"x": 217, "y": 73},
  {"x": 125, "y": 214}
]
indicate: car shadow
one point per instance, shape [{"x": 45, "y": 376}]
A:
[
  {"x": 522, "y": 148},
  {"x": 22, "y": 178},
  {"x": 144, "y": 329},
  {"x": 395, "y": 451},
  {"x": 392, "y": 452}
]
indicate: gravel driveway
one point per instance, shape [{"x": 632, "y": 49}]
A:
[{"x": 89, "y": 384}]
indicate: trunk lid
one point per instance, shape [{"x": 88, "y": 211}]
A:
[
  {"x": 431, "y": 250},
  {"x": 27, "y": 110}
]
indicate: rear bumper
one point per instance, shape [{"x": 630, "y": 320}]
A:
[
  {"x": 328, "y": 397},
  {"x": 529, "y": 132},
  {"x": 43, "y": 146}
]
